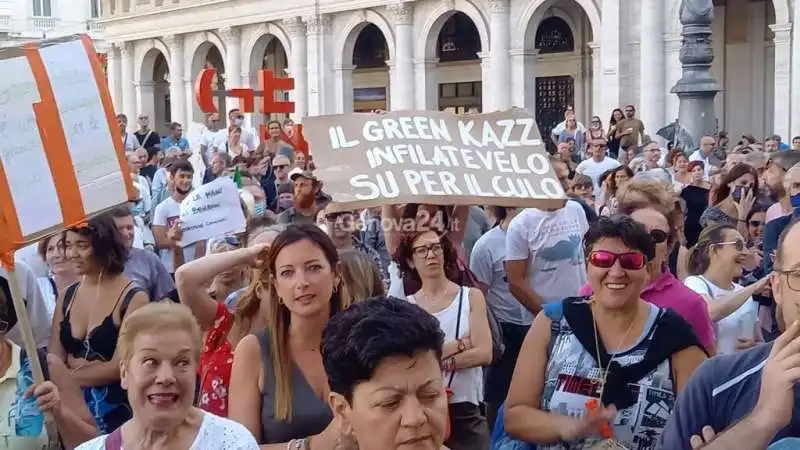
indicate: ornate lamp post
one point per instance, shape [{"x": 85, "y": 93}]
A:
[{"x": 696, "y": 88}]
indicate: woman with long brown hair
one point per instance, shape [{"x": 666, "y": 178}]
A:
[
  {"x": 224, "y": 327},
  {"x": 733, "y": 199},
  {"x": 279, "y": 389}
]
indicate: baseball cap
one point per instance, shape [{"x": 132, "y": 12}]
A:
[{"x": 298, "y": 172}]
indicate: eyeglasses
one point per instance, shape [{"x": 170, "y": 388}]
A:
[
  {"x": 756, "y": 223},
  {"x": 423, "y": 250},
  {"x": 792, "y": 278},
  {"x": 232, "y": 240},
  {"x": 659, "y": 236},
  {"x": 606, "y": 260},
  {"x": 281, "y": 167},
  {"x": 331, "y": 217},
  {"x": 738, "y": 244}
]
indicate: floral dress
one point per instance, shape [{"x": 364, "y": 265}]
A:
[{"x": 215, "y": 364}]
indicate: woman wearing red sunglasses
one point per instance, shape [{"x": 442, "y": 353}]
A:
[{"x": 604, "y": 367}]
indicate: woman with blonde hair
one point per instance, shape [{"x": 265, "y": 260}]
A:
[
  {"x": 279, "y": 388},
  {"x": 225, "y": 327},
  {"x": 361, "y": 276},
  {"x": 159, "y": 347}
]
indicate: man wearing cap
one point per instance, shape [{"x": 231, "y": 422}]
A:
[
  {"x": 305, "y": 188},
  {"x": 275, "y": 175}
]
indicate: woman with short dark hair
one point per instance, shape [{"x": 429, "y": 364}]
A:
[
  {"x": 588, "y": 358},
  {"x": 89, "y": 314},
  {"x": 381, "y": 357}
]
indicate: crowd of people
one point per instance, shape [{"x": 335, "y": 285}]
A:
[{"x": 656, "y": 309}]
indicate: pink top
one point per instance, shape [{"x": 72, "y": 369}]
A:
[{"x": 669, "y": 292}]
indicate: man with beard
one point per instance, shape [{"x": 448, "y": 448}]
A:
[
  {"x": 308, "y": 199},
  {"x": 773, "y": 176},
  {"x": 166, "y": 220},
  {"x": 751, "y": 394}
]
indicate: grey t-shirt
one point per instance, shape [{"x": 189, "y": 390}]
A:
[
  {"x": 144, "y": 268},
  {"x": 477, "y": 225},
  {"x": 487, "y": 263},
  {"x": 721, "y": 392}
]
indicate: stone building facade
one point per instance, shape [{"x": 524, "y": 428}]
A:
[{"x": 459, "y": 55}]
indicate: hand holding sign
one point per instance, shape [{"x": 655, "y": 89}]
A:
[{"x": 175, "y": 234}]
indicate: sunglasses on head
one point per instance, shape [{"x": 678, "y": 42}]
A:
[
  {"x": 605, "y": 260},
  {"x": 738, "y": 244},
  {"x": 659, "y": 236}
]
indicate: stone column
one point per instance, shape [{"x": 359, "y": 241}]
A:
[
  {"x": 610, "y": 56},
  {"x": 145, "y": 100},
  {"x": 232, "y": 38},
  {"x": 114, "y": 74},
  {"x": 427, "y": 82},
  {"x": 177, "y": 92},
  {"x": 672, "y": 44},
  {"x": 297, "y": 66},
  {"x": 343, "y": 76},
  {"x": 487, "y": 89},
  {"x": 128, "y": 89},
  {"x": 795, "y": 71},
  {"x": 402, "y": 87},
  {"x": 523, "y": 78},
  {"x": 191, "y": 101},
  {"x": 318, "y": 29},
  {"x": 597, "y": 84},
  {"x": 783, "y": 93},
  {"x": 499, "y": 68},
  {"x": 651, "y": 66}
]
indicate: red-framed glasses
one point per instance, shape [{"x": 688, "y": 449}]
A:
[{"x": 606, "y": 260}]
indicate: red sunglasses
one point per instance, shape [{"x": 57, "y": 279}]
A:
[{"x": 606, "y": 260}]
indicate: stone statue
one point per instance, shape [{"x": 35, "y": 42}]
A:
[{"x": 697, "y": 12}]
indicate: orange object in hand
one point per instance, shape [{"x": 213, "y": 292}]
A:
[{"x": 606, "y": 431}]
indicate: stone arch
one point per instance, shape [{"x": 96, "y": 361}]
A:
[
  {"x": 198, "y": 49},
  {"x": 346, "y": 41},
  {"x": 257, "y": 40},
  {"x": 532, "y": 14},
  {"x": 425, "y": 46},
  {"x": 146, "y": 57},
  {"x": 782, "y": 12}
]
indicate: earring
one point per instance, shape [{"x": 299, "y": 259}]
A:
[
  {"x": 280, "y": 300},
  {"x": 335, "y": 288}
]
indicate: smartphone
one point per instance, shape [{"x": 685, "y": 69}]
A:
[{"x": 738, "y": 193}]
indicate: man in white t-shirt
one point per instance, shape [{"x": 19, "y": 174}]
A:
[
  {"x": 208, "y": 137},
  {"x": 166, "y": 220},
  {"x": 598, "y": 164},
  {"x": 544, "y": 255},
  {"x": 704, "y": 153},
  {"x": 556, "y": 133}
]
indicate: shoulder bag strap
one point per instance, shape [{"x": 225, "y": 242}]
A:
[{"x": 458, "y": 326}]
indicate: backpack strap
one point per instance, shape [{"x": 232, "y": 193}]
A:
[{"x": 554, "y": 311}]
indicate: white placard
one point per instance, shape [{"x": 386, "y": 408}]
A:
[
  {"x": 212, "y": 210},
  {"x": 86, "y": 129},
  {"x": 22, "y": 152}
]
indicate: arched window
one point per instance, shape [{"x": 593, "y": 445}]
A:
[
  {"x": 370, "y": 49},
  {"x": 458, "y": 40},
  {"x": 554, "y": 36}
]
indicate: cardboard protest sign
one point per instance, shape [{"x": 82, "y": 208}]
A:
[
  {"x": 433, "y": 157},
  {"x": 211, "y": 210},
  {"x": 61, "y": 159}
]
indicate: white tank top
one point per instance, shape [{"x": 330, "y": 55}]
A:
[{"x": 467, "y": 385}]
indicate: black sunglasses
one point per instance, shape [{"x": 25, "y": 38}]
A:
[
  {"x": 281, "y": 166},
  {"x": 756, "y": 223},
  {"x": 658, "y": 236}
]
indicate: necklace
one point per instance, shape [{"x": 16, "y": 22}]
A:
[{"x": 434, "y": 300}]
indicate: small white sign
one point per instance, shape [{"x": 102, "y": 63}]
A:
[{"x": 211, "y": 210}]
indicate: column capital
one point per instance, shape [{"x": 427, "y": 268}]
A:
[
  {"x": 126, "y": 49},
  {"x": 318, "y": 24},
  {"x": 524, "y": 52},
  {"x": 295, "y": 26},
  {"x": 402, "y": 13},
  {"x": 499, "y": 6},
  {"x": 173, "y": 40},
  {"x": 229, "y": 34},
  {"x": 782, "y": 31},
  {"x": 348, "y": 68},
  {"x": 426, "y": 61},
  {"x": 113, "y": 50}
]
